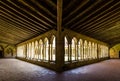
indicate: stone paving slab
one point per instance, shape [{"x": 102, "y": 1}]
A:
[{"x": 17, "y": 70}]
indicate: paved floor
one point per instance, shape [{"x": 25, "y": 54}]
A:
[{"x": 16, "y": 70}]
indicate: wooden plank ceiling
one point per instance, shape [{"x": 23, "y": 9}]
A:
[{"x": 21, "y": 20}]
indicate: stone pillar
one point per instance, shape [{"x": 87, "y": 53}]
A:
[
  {"x": 60, "y": 39},
  {"x": 25, "y": 50},
  {"x": 77, "y": 51},
  {"x": 97, "y": 51},
  {"x": 49, "y": 53},
  {"x": 70, "y": 52}
]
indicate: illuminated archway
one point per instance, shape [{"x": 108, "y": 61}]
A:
[
  {"x": 29, "y": 50},
  {"x": 89, "y": 50},
  {"x": 74, "y": 49},
  {"x": 93, "y": 48},
  {"x": 66, "y": 56},
  {"x": 85, "y": 50},
  {"x": 46, "y": 49},
  {"x": 32, "y": 51},
  {"x": 36, "y": 50},
  {"x": 95, "y": 51},
  {"x": 80, "y": 49},
  {"x": 41, "y": 54}
]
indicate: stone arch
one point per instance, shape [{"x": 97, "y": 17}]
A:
[
  {"x": 66, "y": 49},
  {"x": 89, "y": 49},
  {"x": 53, "y": 48},
  {"x": 85, "y": 49},
  {"x": 46, "y": 48},
  {"x": 10, "y": 51},
  {"x": 74, "y": 48},
  {"x": 68, "y": 39},
  {"x": 41, "y": 53},
  {"x": 80, "y": 49}
]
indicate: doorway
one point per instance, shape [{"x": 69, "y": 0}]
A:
[
  {"x": 1, "y": 54},
  {"x": 119, "y": 54}
]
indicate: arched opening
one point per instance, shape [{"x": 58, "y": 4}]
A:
[
  {"x": 66, "y": 57},
  {"x": 93, "y": 48},
  {"x": 85, "y": 49},
  {"x": 32, "y": 50},
  {"x": 114, "y": 51},
  {"x": 74, "y": 49},
  {"x": 95, "y": 51},
  {"x": 36, "y": 50},
  {"x": 46, "y": 49},
  {"x": 53, "y": 51},
  {"x": 41, "y": 50},
  {"x": 29, "y": 51},
  {"x": 80, "y": 49},
  {"x": 9, "y": 52},
  {"x": 89, "y": 50}
]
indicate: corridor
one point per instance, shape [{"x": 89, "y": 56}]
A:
[{"x": 17, "y": 70}]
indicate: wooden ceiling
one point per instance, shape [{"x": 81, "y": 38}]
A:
[{"x": 21, "y": 20}]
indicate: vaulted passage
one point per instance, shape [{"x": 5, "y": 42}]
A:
[{"x": 16, "y": 70}]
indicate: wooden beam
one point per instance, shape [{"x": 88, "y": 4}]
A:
[
  {"x": 106, "y": 25},
  {"x": 103, "y": 18},
  {"x": 18, "y": 19},
  {"x": 33, "y": 9},
  {"x": 15, "y": 25},
  {"x": 51, "y": 3},
  {"x": 86, "y": 10},
  {"x": 79, "y": 7},
  {"x": 45, "y": 9},
  {"x": 20, "y": 13},
  {"x": 91, "y": 19}
]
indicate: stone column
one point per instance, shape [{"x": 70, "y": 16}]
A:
[
  {"x": 60, "y": 39},
  {"x": 49, "y": 52},
  {"x": 97, "y": 51},
  {"x": 70, "y": 52}
]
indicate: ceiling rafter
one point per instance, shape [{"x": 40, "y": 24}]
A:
[
  {"x": 6, "y": 39},
  {"x": 15, "y": 26},
  {"x": 43, "y": 8},
  {"x": 20, "y": 19},
  {"x": 111, "y": 32},
  {"x": 25, "y": 17},
  {"x": 11, "y": 36},
  {"x": 51, "y": 3},
  {"x": 80, "y": 14},
  {"x": 91, "y": 19},
  {"x": 106, "y": 20},
  {"x": 30, "y": 14},
  {"x": 69, "y": 5},
  {"x": 32, "y": 8},
  {"x": 15, "y": 34},
  {"x": 107, "y": 24},
  {"x": 80, "y": 6},
  {"x": 102, "y": 19},
  {"x": 22, "y": 26}
]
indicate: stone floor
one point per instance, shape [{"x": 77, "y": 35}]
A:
[{"x": 16, "y": 70}]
